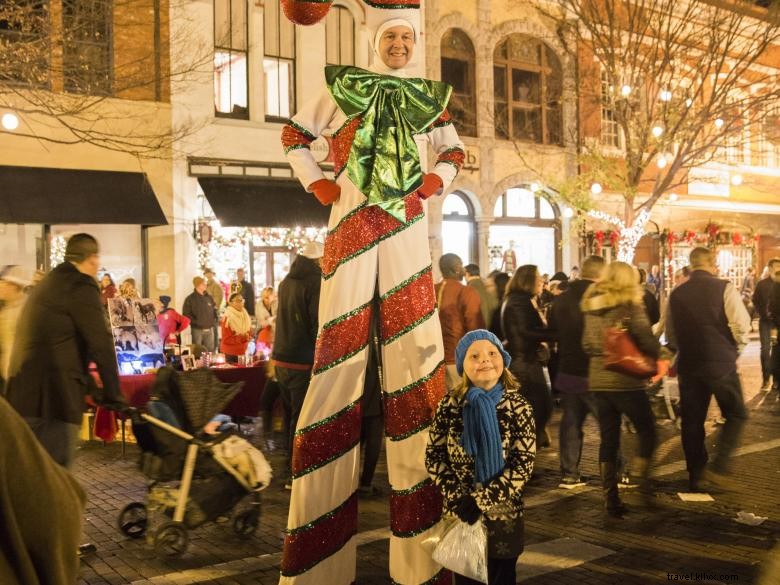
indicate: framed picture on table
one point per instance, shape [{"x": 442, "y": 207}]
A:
[{"x": 188, "y": 362}]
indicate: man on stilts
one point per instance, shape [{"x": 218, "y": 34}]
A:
[{"x": 380, "y": 121}]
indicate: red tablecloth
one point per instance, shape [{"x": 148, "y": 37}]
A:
[{"x": 246, "y": 403}]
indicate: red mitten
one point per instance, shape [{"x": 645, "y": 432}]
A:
[
  {"x": 431, "y": 185},
  {"x": 325, "y": 191}
]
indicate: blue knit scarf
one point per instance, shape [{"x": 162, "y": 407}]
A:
[{"x": 481, "y": 435}]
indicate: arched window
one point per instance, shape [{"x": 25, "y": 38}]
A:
[
  {"x": 528, "y": 86},
  {"x": 458, "y": 228},
  {"x": 526, "y": 230},
  {"x": 339, "y": 36},
  {"x": 458, "y": 68}
]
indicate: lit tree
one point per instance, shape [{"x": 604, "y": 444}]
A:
[
  {"x": 75, "y": 71},
  {"x": 680, "y": 82}
]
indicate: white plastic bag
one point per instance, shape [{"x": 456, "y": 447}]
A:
[{"x": 464, "y": 550}]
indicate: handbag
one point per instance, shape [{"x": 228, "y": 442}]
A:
[
  {"x": 463, "y": 550},
  {"x": 621, "y": 354}
]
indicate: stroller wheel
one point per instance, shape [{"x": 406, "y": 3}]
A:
[
  {"x": 245, "y": 522},
  {"x": 171, "y": 539},
  {"x": 133, "y": 520}
]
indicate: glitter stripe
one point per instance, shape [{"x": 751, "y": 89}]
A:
[
  {"x": 348, "y": 215},
  {"x": 341, "y": 359},
  {"x": 409, "y": 412},
  {"x": 412, "y": 385},
  {"x": 390, "y": 234},
  {"x": 308, "y": 545},
  {"x": 403, "y": 283},
  {"x": 352, "y": 313},
  {"x": 302, "y": 130},
  {"x": 394, "y": 4},
  {"x": 406, "y": 305},
  {"x": 407, "y": 329},
  {"x": 414, "y": 511},
  {"x": 411, "y": 433},
  {"x": 328, "y": 419},
  {"x": 319, "y": 445},
  {"x": 443, "y": 577},
  {"x": 341, "y": 338}
]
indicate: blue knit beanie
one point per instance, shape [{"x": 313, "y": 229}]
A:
[{"x": 472, "y": 336}]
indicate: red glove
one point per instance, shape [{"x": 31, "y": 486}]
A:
[
  {"x": 430, "y": 186},
  {"x": 325, "y": 191}
]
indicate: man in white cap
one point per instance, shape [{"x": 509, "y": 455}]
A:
[
  {"x": 296, "y": 333},
  {"x": 381, "y": 122}
]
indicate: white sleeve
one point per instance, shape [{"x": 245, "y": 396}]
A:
[
  {"x": 305, "y": 127},
  {"x": 449, "y": 152},
  {"x": 737, "y": 315}
]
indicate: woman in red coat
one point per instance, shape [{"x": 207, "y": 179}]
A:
[{"x": 236, "y": 328}]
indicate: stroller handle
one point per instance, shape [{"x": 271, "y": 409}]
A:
[{"x": 165, "y": 426}]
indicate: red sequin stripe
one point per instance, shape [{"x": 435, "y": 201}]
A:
[
  {"x": 341, "y": 339},
  {"x": 320, "y": 444},
  {"x": 443, "y": 120},
  {"x": 341, "y": 144},
  {"x": 415, "y": 510},
  {"x": 407, "y": 305},
  {"x": 393, "y": 3},
  {"x": 294, "y": 138},
  {"x": 454, "y": 156},
  {"x": 362, "y": 230},
  {"x": 313, "y": 543},
  {"x": 407, "y": 411}
]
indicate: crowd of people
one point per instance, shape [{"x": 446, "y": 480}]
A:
[{"x": 513, "y": 345}]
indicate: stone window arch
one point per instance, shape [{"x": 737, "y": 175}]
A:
[
  {"x": 458, "y": 68},
  {"x": 459, "y": 227}
]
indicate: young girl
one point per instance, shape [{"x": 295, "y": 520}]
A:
[{"x": 481, "y": 451}]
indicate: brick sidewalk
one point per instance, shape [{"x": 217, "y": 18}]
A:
[{"x": 568, "y": 539}]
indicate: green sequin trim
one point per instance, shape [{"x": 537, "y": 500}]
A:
[
  {"x": 413, "y": 533},
  {"x": 341, "y": 359},
  {"x": 414, "y": 488},
  {"x": 453, "y": 149},
  {"x": 389, "y": 234},
  {"x": 442, "y": 124},
  {"x": 326, "y": 516},
  {"x": 406, "y": 282},
  {"x": 431, "y": 581},
  {"x": 392, "y": 6},
  {"x": 409, "y": 327},
  {"x": 296, "y": 147},
  {"x": 332, "y": 417},
  {"x": 406, "y": 435},
  {"x": 346, "y": 316},
  {"x": 413, "y": 385},
  {"x": 302, "y": 130}
]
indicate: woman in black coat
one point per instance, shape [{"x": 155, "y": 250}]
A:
[{"x": 526, "y": 333}]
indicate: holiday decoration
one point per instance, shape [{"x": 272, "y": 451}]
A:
[
  {"x": 57, "y": 250},
  {"x": 306, "y": 12}
]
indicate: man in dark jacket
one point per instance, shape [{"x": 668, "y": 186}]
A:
[
  {"x": 571, "y": 380},
  {"x": 62, "y": 329},
  {"x": 761, "y": 297},
  {"x": 652, "y": 308},
  {"x": 487, "y": 299},
  {"x": 200, "y": 310},
  {"x": 246, "y": 290},
  {"x": 296, "y": 334},
  {"x": 708, "y": 326}
]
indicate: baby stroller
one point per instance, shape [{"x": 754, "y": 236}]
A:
[{"x": 194, "y": 477}]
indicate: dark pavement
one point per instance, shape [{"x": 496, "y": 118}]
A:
[{"x": 568, "y": 538}]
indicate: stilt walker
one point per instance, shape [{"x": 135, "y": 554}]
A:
[{"x": 381, "y": 122}]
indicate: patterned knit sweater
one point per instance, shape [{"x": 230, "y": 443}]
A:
[{"x": 452, "y": 469}]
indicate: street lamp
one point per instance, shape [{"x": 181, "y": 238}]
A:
[{"x": 10, "y": 121}]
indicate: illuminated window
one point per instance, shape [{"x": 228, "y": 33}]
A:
[
  {"x": 610, "y": 131},
  {"x": 278, "y": 63},
  {"x": 231, "y": 89}
]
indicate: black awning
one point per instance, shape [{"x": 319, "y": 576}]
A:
[
  {"x": 57, "y": 196},
  {"x": 263, "y": 202}
]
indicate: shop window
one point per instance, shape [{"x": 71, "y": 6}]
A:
[
  {"x": 526, "y": 230},
  {"x": 231, "y": 89},
  {"x": 459, "y": 227},
  {"x": 278, "y": 63},
  {"x": 24, "y": 36},
  {"x": 528, "y": 88},
  {"x": 458, "y": 68},
  {"x": 87, "y": 46},
  {"x": 339, "y": 36}
]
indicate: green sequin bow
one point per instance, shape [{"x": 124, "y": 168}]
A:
[{"x": 384, "y": 163}]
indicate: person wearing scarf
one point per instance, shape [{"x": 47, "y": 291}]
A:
[
  {"x": 236, "y": 328},
  {"x": 481, "y": 451},
  {"x": 381, "y": 122}
]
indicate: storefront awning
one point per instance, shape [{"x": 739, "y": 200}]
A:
[
  {"x": 63, "y": 196},
  {"x": 263, "y": 202}
]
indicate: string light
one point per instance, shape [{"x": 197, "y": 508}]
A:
[
  {"x": 719, "y": 123},
  {"x": 661, "y": 161},
  {"x": 534, "y": 187},
  {"x": 57, "y": 250},
  {"x": 673, "y": 197},
  {"x": 657, "y": 131},
  {"x": 736, "y": 180},
  {"x": 10, "y": 121},
  {"x": 688, "y": 102},
  {"x": 666, "y": 95},
  {"x": 595, "y": 188},
  {"x": 629, "y": 236},
  {"x": 625, "y": 91},
  {"x": 568, "y": 212}
]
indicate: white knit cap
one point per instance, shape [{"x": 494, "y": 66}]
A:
[
  {"x": 16, "y": 275},
  {"x": 313, "y": 250}
]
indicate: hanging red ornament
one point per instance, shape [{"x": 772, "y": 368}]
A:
[
  {"x": 670, "y": 240},
  {"x": 599, "y": 237},
  {"x": 689, "y": 236},
  {"x": 614, "y": 238},
  {"x": 736, "y": 238},
  {"x": 306, "y": 12}
]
